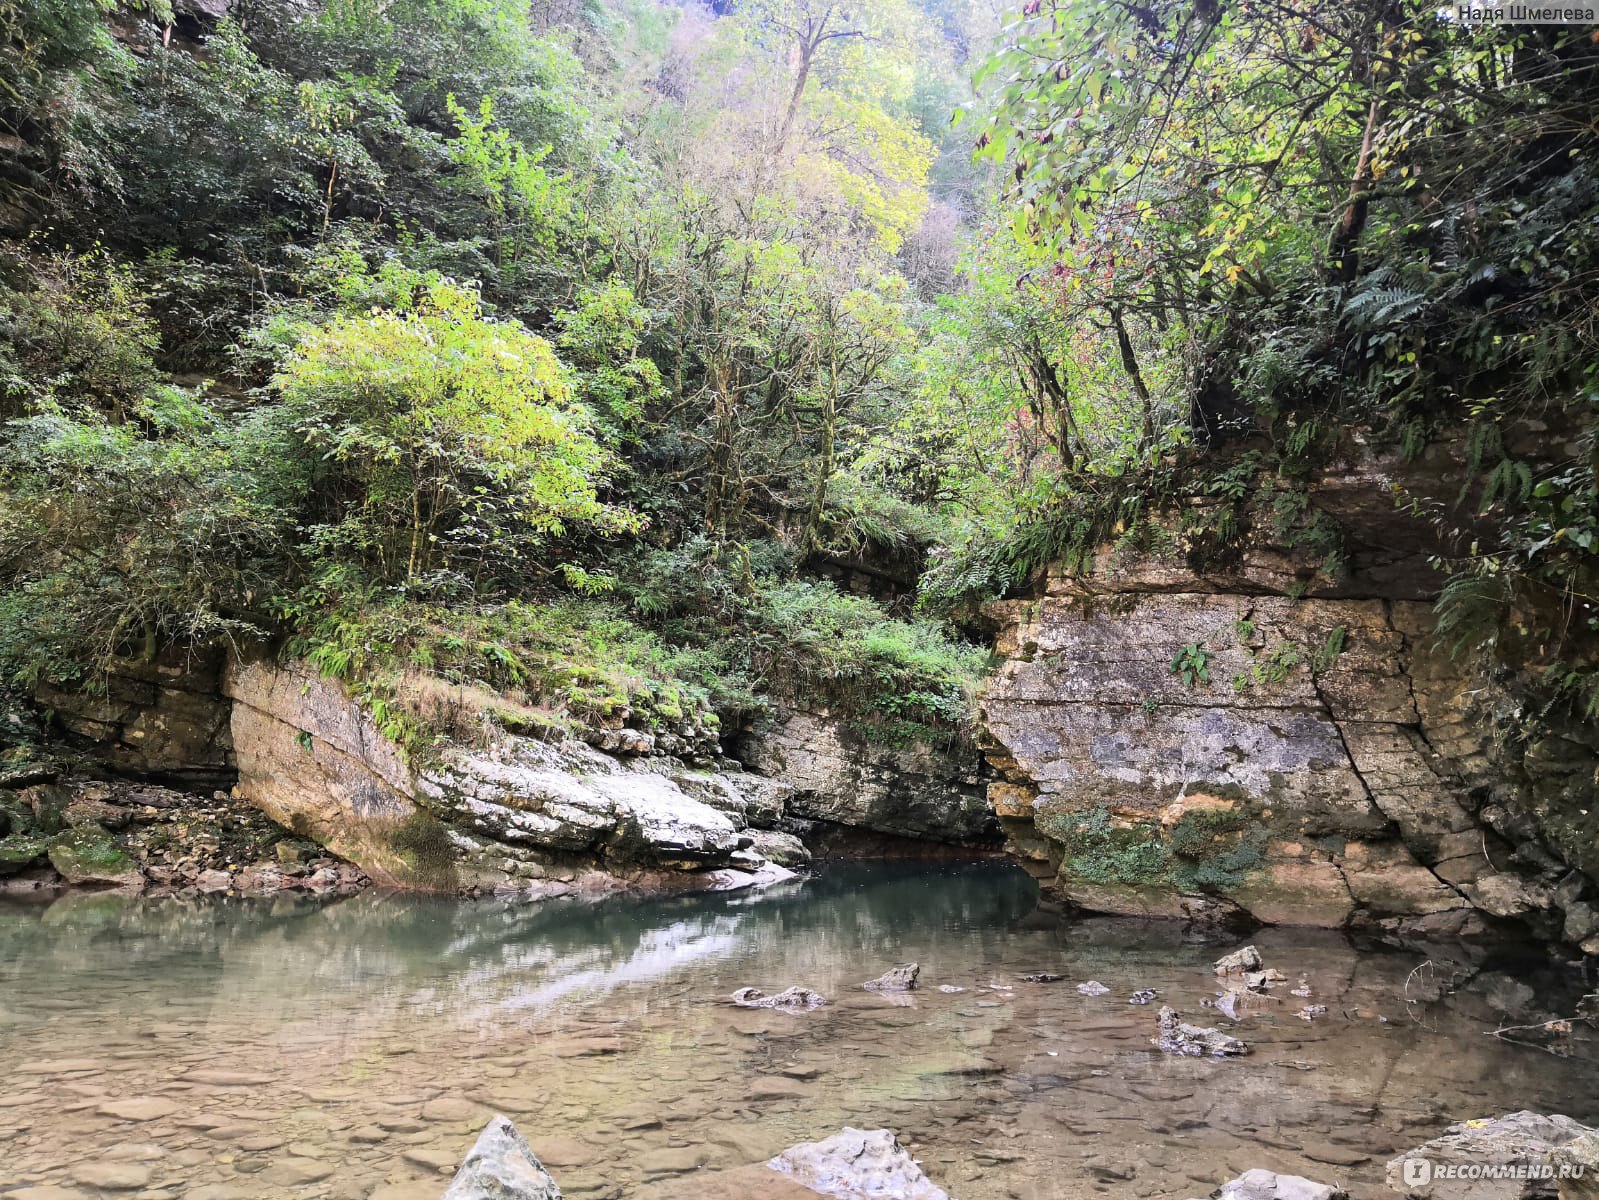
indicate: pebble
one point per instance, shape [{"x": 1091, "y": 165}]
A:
[
  {"x": 295, "y": 1172},
  {"x": 451, "y": 1109}
]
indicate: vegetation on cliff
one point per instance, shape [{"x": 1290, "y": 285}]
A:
[
  {"x": 1303, "y": 230},
  {"x": 572, "y": 359},
  {"x": 462, "y": 348}
]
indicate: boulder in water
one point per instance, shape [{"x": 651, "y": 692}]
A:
[
  {"x": 502, "y": 1166},
  {"x": 1178, "y": 1037},
  {"x": 1239, "y": 961},
  {"x": 901, "y": 979},
  {"x": 857, "y": 1164},
  {"x": 1518, "y": 1143},
  {"x": 1268, "y": 1185},
  {"x": 788, "y": 998}
]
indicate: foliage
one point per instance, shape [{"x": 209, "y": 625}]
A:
[
  {"x": 1370, "y": 218},
  {"x": 446, "y": 442},
  {"x": 116, "y": 541},
  {"x": 1191, "y": 663},
  {"x": 463, "y": 344},
  {"x": 80, "y": 338}
]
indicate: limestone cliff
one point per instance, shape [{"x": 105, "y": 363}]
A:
[
  {"x": 515, "y": 815},
  {"x": 1321, "y": 762},
  {"x": 838, "y": 776}
]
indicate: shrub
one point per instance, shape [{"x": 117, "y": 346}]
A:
[{"x": 445, "y": 441}]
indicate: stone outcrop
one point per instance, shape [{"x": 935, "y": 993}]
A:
[
  {"x": 790, "y": 998},
  {"x": 501, "y": 1166},
  {"x": 163, "y": 719},
  {"x": 897, "y": 979},
  {"x": 918, "y": 791},
  {"x": 1251, "y": 741},
  {"x": 1576, "y": 1167},
  {"x": 519, "y": 814},
  {"x": 857, "y": 1164},
  {"x": 1175, "y": 1036},
  {"x": 1504, "y": 1158}
]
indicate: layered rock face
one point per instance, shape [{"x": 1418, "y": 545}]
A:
[
  {"x": 1321, "y": 761},
  {"x": 918, "y": 791},
  {"x": 519, "y": 814},
  {"x": 163, "y": 720}
]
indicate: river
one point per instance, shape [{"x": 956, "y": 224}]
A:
[{"x": 234, "y": 1050}]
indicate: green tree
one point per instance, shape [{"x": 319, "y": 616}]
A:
[{"x": 444, "y": 439}]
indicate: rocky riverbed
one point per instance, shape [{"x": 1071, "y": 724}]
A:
[
  {"x": 238, "y": 1049},
  {"x": 143, "y": 838}
]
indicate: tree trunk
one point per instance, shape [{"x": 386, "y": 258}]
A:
[{"x": 1130, "y": 363}]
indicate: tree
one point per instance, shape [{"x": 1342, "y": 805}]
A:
[{"x": 444, "y": 440}]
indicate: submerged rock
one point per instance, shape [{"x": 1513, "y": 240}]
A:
[
  {"x": 1523, "y": 1141},
  {"x": 502, "y": 1166},
  {"x": 1260, "y": 981},
  {"x": 789, "y": 998},
  {"x": 1177, "y": 1037},
  {"x": 857, "y": 1164},
  {"x": 901, "y": 979},
  {"x": 1142, "y": 996},
  {"x": 1239, "y": 961},
  {"x": 1268, "y": 1185}
]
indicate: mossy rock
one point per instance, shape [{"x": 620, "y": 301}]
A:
[
  {"x": 423, "y": 846},
  {"x": 50, "y": 808},
  {"x": 20, "y": 851},
  {"x": 16, "y": 818},
  {"x": 87, "y": 854}
]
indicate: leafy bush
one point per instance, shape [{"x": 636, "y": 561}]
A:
[
  {"x": 1192, "y": 663},
  {"x": 113, "y": 541},
  {"x": 445, "y": 441}
]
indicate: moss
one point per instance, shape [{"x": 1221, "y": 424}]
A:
[
  {"x": 50, "y": 809},
  {"x": 19, "y": 852},
  {"x": 1217, "y": 850},
  {"x": 88, "y": 854},
  {"x": 1100, "y": 851},
  {"x": 423, "y": 845},
  {"x": 1207, "y": 850}
]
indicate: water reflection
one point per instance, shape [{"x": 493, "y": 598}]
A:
[{"x": 346, "y": 1049}]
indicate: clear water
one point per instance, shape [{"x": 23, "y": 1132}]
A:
[{"x": 351, "y": 1049}]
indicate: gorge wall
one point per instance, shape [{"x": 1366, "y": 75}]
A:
[
  {"x": 1324, "y": 761},
  {"x": 515, "y": 814}
]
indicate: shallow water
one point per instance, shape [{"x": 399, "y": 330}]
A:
[{"x": 351, "y": 1049}]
